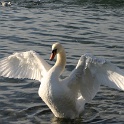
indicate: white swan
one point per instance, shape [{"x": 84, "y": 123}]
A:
[{"x": 66, "y": 98}]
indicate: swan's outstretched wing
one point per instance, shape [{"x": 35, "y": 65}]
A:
[
  {"x": 105, "y": 72},
  {"x": 91, "y": 72},
  {"x": 24, "y": 65}
]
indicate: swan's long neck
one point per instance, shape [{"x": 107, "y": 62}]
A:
[{"x": 60, "y": 62}]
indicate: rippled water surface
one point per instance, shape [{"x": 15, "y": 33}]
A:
[{"x": 95, "y": 26}]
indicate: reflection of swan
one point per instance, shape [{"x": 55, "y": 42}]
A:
[
  {"x": 5, "y": 3},
  {"x": 66, "y": 98}
]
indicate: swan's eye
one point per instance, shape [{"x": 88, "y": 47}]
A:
[
  {"x": 54, "y": 51},
  {"x": 53, "y": 54}
]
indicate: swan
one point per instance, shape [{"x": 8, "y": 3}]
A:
[{"x": 66, "y": 98}]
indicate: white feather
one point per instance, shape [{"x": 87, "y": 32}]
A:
[
  {"x": 24, "y": 65},
  {"x": 95, "y": 72}
]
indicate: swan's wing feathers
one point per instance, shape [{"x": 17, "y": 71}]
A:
[
  {"x": 76, "y": 75},
  {"x": 24, "y": 65},
  {"x": 106, "y": 73},
  {"x": 89, "y": 86},
  {"x": 98, "y": 72},
  {"x": 90, "y": 73},
  {"x": 81, "y": 80}
]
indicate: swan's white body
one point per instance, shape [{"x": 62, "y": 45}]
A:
[{"x": 66, "y": 98}]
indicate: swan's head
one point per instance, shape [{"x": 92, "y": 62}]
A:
[{"x": 56, "y": 48}]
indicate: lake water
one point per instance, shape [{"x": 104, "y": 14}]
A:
[{"x": 95, "y": 26}]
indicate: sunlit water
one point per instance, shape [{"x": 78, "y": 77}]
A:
[{"x": 81, "y": 26}]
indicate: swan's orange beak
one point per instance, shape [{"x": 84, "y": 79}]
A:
[{"x": 53, "y": 54}]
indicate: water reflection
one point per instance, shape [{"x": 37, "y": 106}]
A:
[{"x": 89, "y": 115}]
